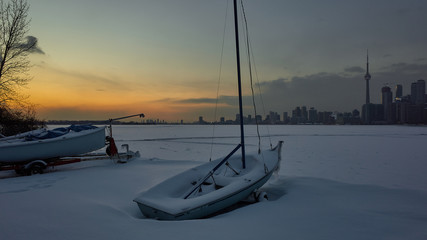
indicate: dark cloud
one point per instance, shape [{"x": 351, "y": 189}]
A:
[
  {"x": 324, "y": 91},
  {"x": 420, "y": 59},
  {"x": 31, "y": 41},
  {"x": 164, "y": 100},
  {"x": 354, "y": 70},
  {"x": 227, "y": 100},
  {"x": 198, "y": 100},
  {"x": 338, "y": 91},
  {"x": 405, "y": 69}
]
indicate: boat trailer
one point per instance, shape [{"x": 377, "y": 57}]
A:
[{"x": 38, "y": 166}]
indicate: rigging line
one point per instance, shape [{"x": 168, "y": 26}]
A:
[
  {"x": 250, "y": 53},
  {"x": 262, "y": 102},
  {"x": 248, "y": 48},
  {"x": 219, "y": 80},
  {"x": 257, "y": 78}
]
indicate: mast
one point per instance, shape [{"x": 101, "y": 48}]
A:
[{"x": 242, "y": 136}]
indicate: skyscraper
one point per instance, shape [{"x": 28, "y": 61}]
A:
[
  {"x": 399, "y": 91},
  {"x": 418, "y": 92},
  {"x": 421, "y": 92},
  {"x": 413, "y": 92},
  {"x": 387, "y": 101}
]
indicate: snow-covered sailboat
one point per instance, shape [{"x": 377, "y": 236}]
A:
[
  {"x": 45, "y": 144},
  {"x": 216, "y": 185}
]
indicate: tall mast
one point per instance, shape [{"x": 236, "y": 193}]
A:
[{"x": 242, "y": 136}]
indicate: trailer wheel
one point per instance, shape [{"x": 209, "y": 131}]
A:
[
  {"x": 36, "y": 168},
  {"x": 108, "y": 150}
]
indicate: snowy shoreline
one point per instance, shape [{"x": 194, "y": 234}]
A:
[{"x": 336, "y": 182}]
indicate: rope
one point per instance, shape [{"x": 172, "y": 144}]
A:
[
  {"x": 250, "y": 57},
  {"x": 248, "y": 46},
  {"x": 219, "y": 81}
]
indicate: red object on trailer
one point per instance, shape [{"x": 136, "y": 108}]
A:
[{"x": 111, "y": 148}]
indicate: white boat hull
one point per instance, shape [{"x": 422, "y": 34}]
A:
[
  {"x": 73, "y": 143},
  {"x": 167, "y": 201}
]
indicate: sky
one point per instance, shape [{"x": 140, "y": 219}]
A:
[{"x": 175, "y": 60}]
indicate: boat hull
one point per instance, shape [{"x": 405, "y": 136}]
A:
[
  {"x": 204, "y": 210},
  {"x": 166, "y": 201},
  {"x": 66, "y": 145}
]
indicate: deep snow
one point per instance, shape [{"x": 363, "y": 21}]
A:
[{"x": 336, "y": 182}]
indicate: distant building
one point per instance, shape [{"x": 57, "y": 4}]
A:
[
  {"x": 387, "y": 102},
  {"x": 325, "y": 118},
  {"x": 304, "y": 114},
  {"x": 249, "y": 119},
  {"x": 296, "y": 115},
  {"x": 237, "y": 118},
  {"x": 401, "y": 111},
  {"x": 285, "y": 117},
  {"x": 312, "y": 115},
  {"x": 420, "y": 92},
  {"x": 258, "y": 118},
  {"x": 413, "y": 92},
  {"x": 399, "y": 92},
  {"x": 355, "y": 118},
  {"x": 201, "y": 121}
]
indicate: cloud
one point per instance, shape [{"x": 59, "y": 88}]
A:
[
  {"x": 227, "y": 100},
  {"x": 87, "y": 79},
  {"x": 338, "y": 91},
  {"x": 197, "y": 100},
  {"x": 405, "y": 70},
  {"x": 31, "y": 44},
  {"x": 324, "y": 91},
  {"x": 343, "y": 91},
  {"x": 79, "y": 113},
  {"x": 355, "y": 69},
  {"x": 420, "y": 59}
]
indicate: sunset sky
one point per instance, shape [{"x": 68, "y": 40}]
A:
[{"x": 101, "y": 59}]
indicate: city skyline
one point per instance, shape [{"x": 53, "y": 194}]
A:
[{"x": 162, "y": 58}]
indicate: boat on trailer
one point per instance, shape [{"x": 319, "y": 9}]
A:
[
  {"x": 46, "y": 144},
  {"x": 216, "y": 185}
]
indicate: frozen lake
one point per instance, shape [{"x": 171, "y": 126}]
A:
[{"x": 336, "y": 182}]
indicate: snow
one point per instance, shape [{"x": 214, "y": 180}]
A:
[{"x": 335, "y": 182}]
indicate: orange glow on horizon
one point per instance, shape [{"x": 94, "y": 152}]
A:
[{"x": 62, "y": 97}]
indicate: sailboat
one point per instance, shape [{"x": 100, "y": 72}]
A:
[{"x": 211, "y": 187}]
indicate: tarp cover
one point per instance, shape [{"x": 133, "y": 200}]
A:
[{"x": 57, "y": 132}]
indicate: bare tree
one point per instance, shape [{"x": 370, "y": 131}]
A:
[
  {"x": 15, "y": 113},
  {"x": 14, "y": 49}
]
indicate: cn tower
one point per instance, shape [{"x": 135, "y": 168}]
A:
[{"x": 367, "y": 78}]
